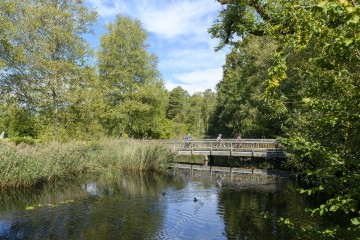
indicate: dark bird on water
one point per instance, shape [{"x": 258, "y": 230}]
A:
[
  {"x": 195, "y": 200},
  {"x": 164, "y": 194}
]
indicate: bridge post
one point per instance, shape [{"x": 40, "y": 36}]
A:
[{"x": 206, "y": 160}]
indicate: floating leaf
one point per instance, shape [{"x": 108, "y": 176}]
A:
[{"x": 30, "y": 208}]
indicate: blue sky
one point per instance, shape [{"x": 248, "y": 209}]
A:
[{"x": 177, "y": 31}]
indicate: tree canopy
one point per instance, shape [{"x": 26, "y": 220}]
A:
[
  {"x": 135, "y": 94},
  {"x": 308, "y": 91},
  {"x": 51, "y": 91},
  {"x": 43, "y": 52}
]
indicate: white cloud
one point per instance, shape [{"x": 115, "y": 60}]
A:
[
  {"x": 177, "y": 18},
  {"x": 185, "y": 59},
  {"x": 177, "y": 35},
  {"x": 197, "y": 81},
  {"x": 168, "y": 19}
]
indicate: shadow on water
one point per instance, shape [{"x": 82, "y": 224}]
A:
[{"x": 150, "y": 206}]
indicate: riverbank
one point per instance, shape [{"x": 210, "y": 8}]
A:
[{"x": 27, "y": 165}]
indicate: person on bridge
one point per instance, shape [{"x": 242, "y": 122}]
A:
[
  {"x": 219, "y": 141},
  {"x": 238, "y": 140},
  {"x": 187, "y": 140}
]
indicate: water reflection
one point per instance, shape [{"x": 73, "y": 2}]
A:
[{"x": 152, "y": 206}]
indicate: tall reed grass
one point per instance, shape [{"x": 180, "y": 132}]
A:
[{"x": 28, "y": 165}]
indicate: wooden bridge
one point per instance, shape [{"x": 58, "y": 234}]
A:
[{"x": 256, "y": 148}]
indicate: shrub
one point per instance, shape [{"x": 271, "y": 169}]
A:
[{"x": 25, "y": 140}]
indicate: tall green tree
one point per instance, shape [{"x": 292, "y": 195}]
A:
[
  {"x": 135, "y": 93},
  {"x": 83, "y": 117},
  {"x": 242, "y": 107},
  {"x": 44, "y": 54},
  {"x": 208, "y": 110},
  {"x": 177, "y": 102},
  {"x": 195, "y": 119},
  {"x": 176, "y": 111},
  {"x": 190, "y": 114}
]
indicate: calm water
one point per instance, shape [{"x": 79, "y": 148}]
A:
[{"x": 152, "y": 207}]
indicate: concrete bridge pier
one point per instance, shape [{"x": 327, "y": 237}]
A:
[{"x": 206, "y": 160}]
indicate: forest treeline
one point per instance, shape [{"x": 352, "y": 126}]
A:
[
  {"x": 293, "y": 73},
  {"x": 54, "y": 87}
]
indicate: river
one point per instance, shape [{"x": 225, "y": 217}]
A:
[{"x": 150, "y": 206}]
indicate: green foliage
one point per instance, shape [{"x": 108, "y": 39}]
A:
[
  {"x": 43, "y": 54},
  {"x": 135, "y": 95},
  {"x": 25, "y": 140},
  {"x": 190, "y": 113},
  {"x": 49, "y": 91},
  {"x": 178, "y": 98},
  {"x": 28, "y": 165},
  {"x": 208, "y": 111},
  {"x": 312, "y": 87},
  {"x": 19, "y": 122},
  {"x": 242, "y": 107}
]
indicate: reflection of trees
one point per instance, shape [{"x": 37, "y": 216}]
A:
[
  {"x": 128, "y": 207},
  {"x": 242, "y": 211},
  {"x": 12, "y": 200}
]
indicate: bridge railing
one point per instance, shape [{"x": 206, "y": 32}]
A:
[{"x": 225, "y": 144}]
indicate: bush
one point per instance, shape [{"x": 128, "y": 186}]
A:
[{"x": 25, "y": 140}]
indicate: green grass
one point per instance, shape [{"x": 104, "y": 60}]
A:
[
  {"x": 190, "y": 159},
  {"x": 27, "y": 165}
]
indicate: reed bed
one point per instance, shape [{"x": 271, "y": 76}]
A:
[{"x": 29, "y": 165}]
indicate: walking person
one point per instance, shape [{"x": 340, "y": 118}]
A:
[
  {"x": 187, "y": 140},
  {"x": 219, "y": 141},
  {"x": 238, "y": 140}
]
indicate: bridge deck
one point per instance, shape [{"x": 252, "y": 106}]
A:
[{"x": 228, "y": 147}]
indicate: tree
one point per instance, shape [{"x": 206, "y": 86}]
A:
[
  {"x": 209, "y": 105},
  {"x": 315, "y": 78},
  {"x": 177, "y": 102},
  {"x": 195, "y": 119},
  {"x": 242, "y": 107},
  {"x": 44, "y": 53},
  {"x": 135, "y": 94}
]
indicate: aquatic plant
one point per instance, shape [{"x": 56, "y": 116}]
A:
[{"x": 26, "y": 165}]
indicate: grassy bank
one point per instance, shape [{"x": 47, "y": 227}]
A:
[{"x": 28, "y": 165}]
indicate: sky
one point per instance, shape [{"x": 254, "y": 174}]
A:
[{"x": 178, "y": 35}]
